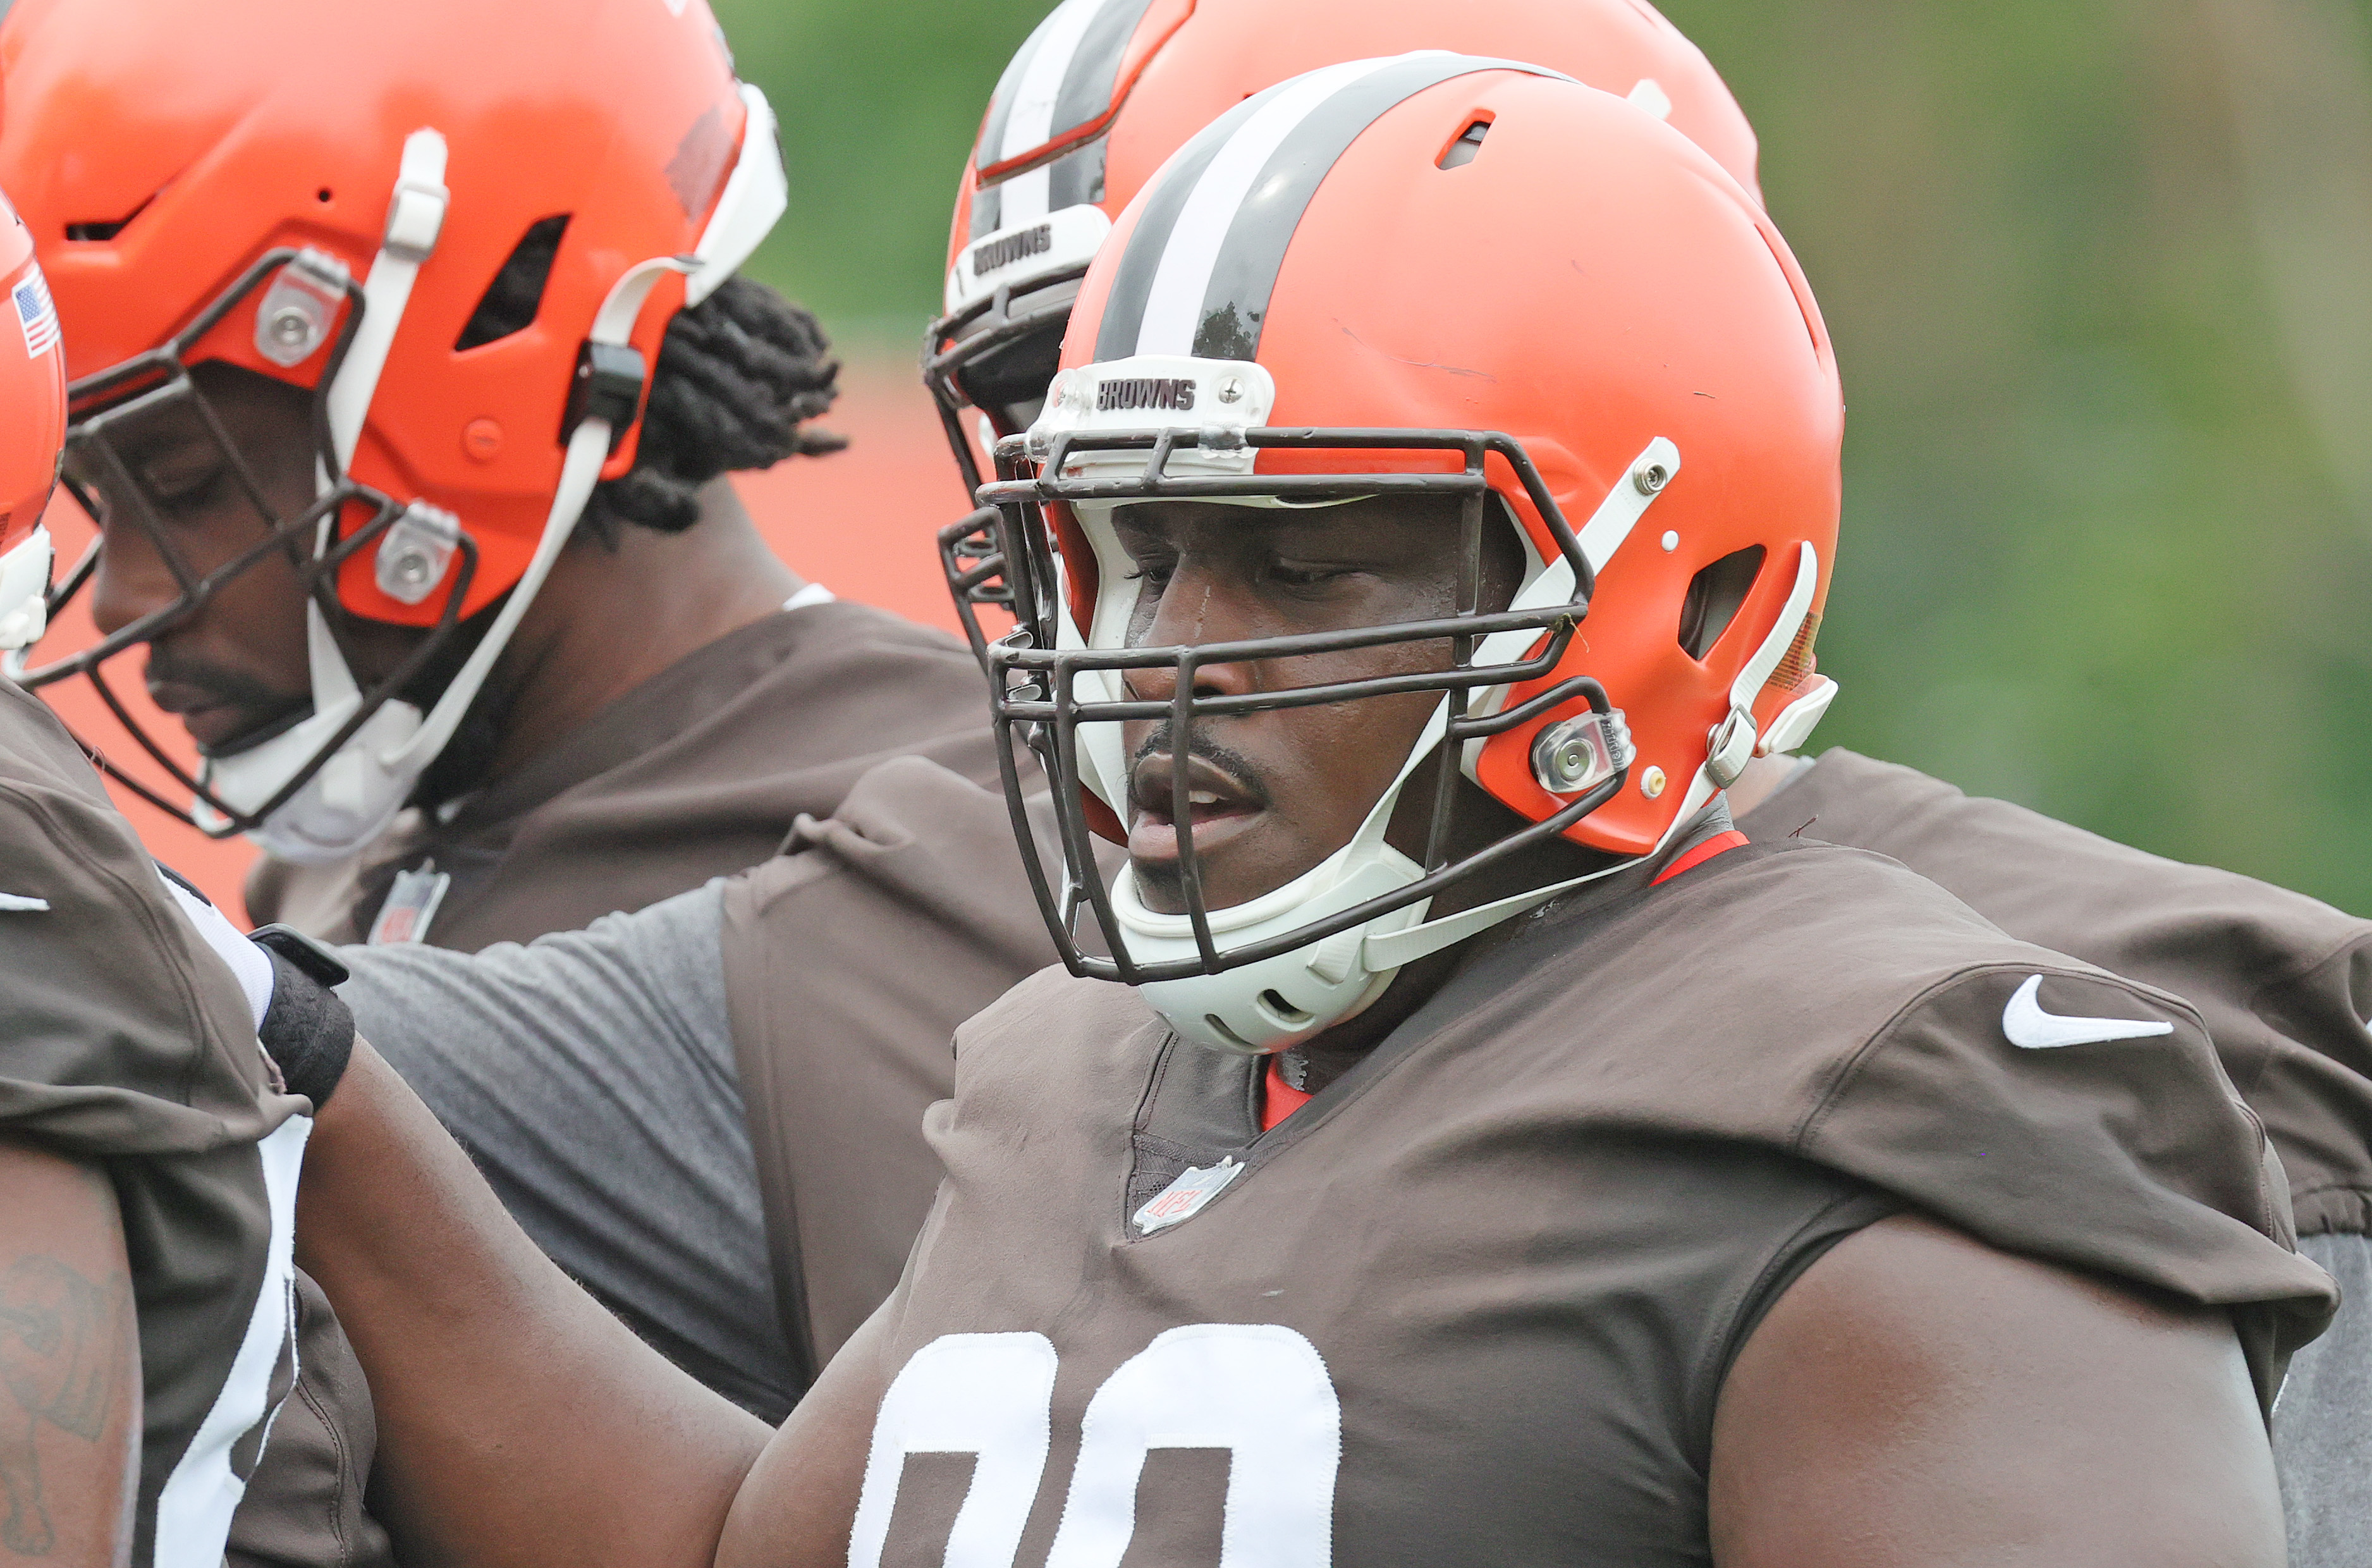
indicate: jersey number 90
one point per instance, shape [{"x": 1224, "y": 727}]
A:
[{"x": 1258, "y": 1390}]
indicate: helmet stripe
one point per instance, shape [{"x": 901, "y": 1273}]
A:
[
  {"x": 1202, "y": 284},
  {"x": 1062, "y": 79},
  {"x": 1095, "y": 65}
]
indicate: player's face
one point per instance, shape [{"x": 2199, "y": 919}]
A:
[
  {"x": 1275, "y": 793},
  {"x": 236, "y": 667}
]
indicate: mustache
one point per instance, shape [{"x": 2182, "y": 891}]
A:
[
  {"x": 1235, "y": 764},
  {"x": 264, "y": 705}
]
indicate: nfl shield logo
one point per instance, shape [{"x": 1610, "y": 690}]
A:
[{"x": 1184, "y": 1198}]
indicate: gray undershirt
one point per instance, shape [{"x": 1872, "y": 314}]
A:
[
  {"x": 590, "y": 1076},
  {"x": 2322, "y": 1422}
]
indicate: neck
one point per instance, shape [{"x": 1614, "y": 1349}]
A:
[{"x": 609, "y": 619}]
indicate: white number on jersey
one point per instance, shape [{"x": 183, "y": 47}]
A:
[{"x": 1258, "y": 1390}]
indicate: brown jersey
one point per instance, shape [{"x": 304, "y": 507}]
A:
[
  {"x": 1475, "y": 1301},
  {"x": 125, "y": 1039},
  {"x": 697, "y": 772},
  {"x": 2283, "y": 982},
  {"x": 849, "y": 960}
]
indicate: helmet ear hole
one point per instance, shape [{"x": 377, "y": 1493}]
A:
[
  {"x": 512, "y": 299},
  {"x": 90, "y": 232},
  {"x": 1284, "y": 1013},
  {"x": 1713, "y": 597}
]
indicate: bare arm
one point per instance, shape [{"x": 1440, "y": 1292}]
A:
[
  {"x": 800, "y": 1500},
  {"x": 69, "y": 1363},
  {"x": 1920, "y": 1400},
  {"x": 520, "y": 1423}
]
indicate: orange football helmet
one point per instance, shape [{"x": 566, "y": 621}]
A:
[
  {"x": 1105, "y": 90},
  {"x": 323, "y": 195},
  {"x": 33, "y": 408},
  {"x": 1349, "y": 286}
]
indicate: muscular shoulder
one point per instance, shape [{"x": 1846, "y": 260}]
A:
[
  {"x": 1832, "y": 1003},
  {"x": 1933, "y": 1399},
  {"x": 2056, "y": 883},
  {"x": 2283, "y": 983}
]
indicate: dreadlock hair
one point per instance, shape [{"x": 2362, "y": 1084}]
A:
[{"x": 739, "y": 377}]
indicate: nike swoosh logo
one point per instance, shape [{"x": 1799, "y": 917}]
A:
[
  {"x": 18, "y": 903},
  {"x": 2031, "y": 1028}
]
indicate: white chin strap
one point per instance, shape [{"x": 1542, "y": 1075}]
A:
[
  {"x": 1282, "y": 1001},
  {"x": 1277, "y": 1002},
  {"x": 354, "y": 794},
  {"x": 24, "y": 590}
]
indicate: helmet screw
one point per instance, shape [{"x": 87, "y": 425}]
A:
[
  {"x": 410, "y": 568},
  {"x": 290, "y": 326},
  {"x": 1579, "y": 753},
  {"x": 1650, "y": 478},
  {"x": 1231, "y": 389},
  {"x": 1651, "y": 783}
]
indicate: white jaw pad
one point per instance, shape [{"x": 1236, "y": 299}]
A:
[
  {"x": 24, "y": 584},
  {"x": 1278, "y": 1002}
]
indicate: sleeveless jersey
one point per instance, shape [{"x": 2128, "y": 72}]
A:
[
  {"x": 1475, "y": 1301},
  {"x": 2283, "y": 982}
]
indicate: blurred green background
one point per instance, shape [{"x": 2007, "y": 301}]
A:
[{"x": 2100, "y": 273}]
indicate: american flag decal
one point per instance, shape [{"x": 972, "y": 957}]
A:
[{"x": 36, "y": 313}]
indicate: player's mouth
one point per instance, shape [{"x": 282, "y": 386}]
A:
[
  {"x": 210, "y": 720},
  {"x": 224, "y": 713},
  {"x": 1221, "y": 807}
]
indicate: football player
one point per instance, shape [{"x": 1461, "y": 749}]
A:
[
  {"x": 1107, "y": 89},
  {"x": 147, "y": 1149},
  {"x": 1486, "y": 1154},
  {"x": 361, "y": 322},
  {"x": 1117, "y": 87},
  {"x": 412, "y": 355},
  {"x": 608, "y": 1081}
]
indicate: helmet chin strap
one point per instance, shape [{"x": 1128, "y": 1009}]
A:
[
  {"x": 1277, "y": 1002},
  {"x": 352, "y": 796},
  {"x": 356, "y": 793}
]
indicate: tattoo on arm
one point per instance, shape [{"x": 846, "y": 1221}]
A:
[{"x": 59, "y": 1334}]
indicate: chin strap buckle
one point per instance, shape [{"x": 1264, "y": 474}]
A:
[
  {"x": 1729, "y": 746},
  {"x": 608, "y": 385}
]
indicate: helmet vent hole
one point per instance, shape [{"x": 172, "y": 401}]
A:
[
  {"x": 1713, "y": 597},
  {"x": 1460, "y": 153},
  {"x": 101, "y": 232},
  {"x": 516, "y": 292},
  {"x": 1281, "y": 1012}
]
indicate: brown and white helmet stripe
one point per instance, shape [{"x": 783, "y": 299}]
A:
[
  {"x": 1062, "y": 89},
  {"x": 1204, "y": 255}
]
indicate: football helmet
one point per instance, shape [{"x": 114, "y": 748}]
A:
[
  {"x": 33, "y": 406},
  {"x": 324, "y": 196},
  {"x": 1105, "y": 90},
  {"x": 1349, "y": 286}
]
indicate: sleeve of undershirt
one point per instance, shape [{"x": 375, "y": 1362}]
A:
[{"x": 591, "y": 1075}]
